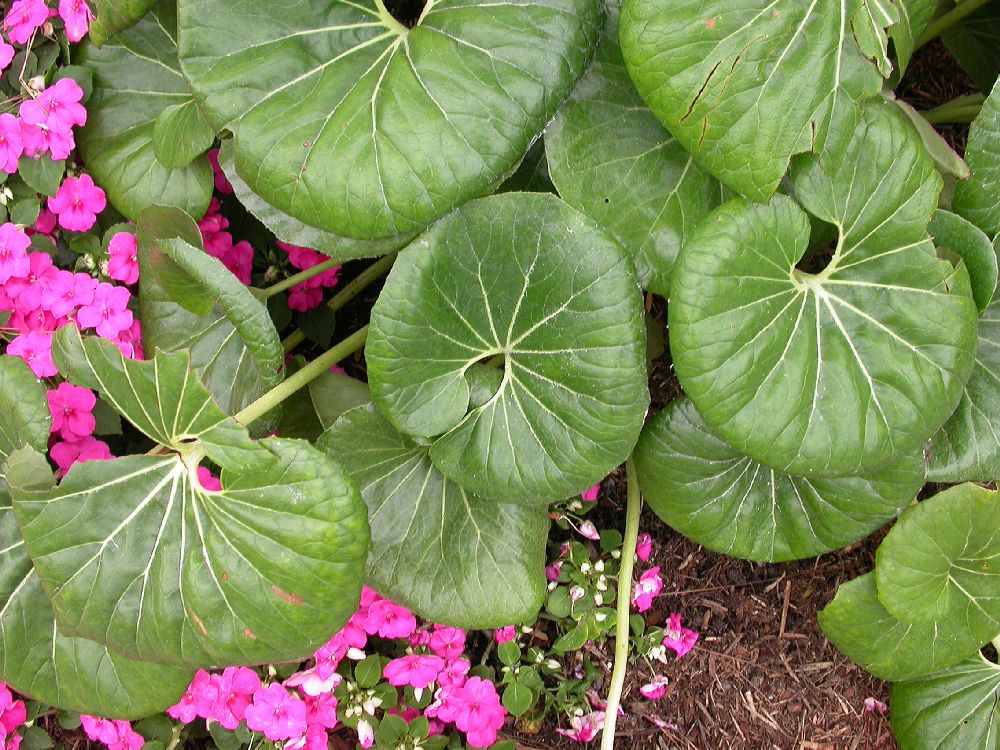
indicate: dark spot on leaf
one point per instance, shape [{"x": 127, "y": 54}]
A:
[
  {"x": 710, "y": 23},
  {"x": 306, "y": 144},
  {"x": 607, "y": 200},
  {"x": 225, "y": 576},
  {"x": 294, "y": 599},
  {"x": 249, "y": 634}
]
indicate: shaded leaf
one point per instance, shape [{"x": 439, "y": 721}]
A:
[
  {"x": 975, "y": 43},
  {"x": 976, "y": 198},
  {"x": 952, "y": 232},
  {"x": 333, "y": 394},
  {"x": 181, "y": 134},
  {"x": 26, "y": 419},
  {"x": 114, "y": 16}
]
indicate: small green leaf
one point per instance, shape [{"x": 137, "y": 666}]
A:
[
  {"x": 558, "y": 299},
  {"x": 35, "y": 738},
  {"x": 319, "y": 325},
  {"x": 575, "y": 639},
  {"x": 391, "y": 729},
  {"x": 25, "y": 212},
  {"x": 518, "y": 699},
  {"x": 509, "y": 653},
  {"x": 955, "y": 578},
  {"x": 181, "y": 134},
  {"x": 43, "y": 175},
  {"x": 976, "y": 198},
  {"x": 368, "y": 672},
  {"x": 966, "y": 240},
  {"x": 559, "y": 604},
  {"x": 957, "y": 709},
  {"x": 729, "y": 503},
  {"x": 223, "y": 738},
  {"x": 450, "y": 555},
  {"x": 114, "y": 16}
]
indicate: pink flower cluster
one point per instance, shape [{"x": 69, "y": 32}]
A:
[
  {"x": 238, "y": 256},
  {"x": 45, "y": 125},
  {"x": 26, "y": 17},
  {"x": 73, "y": 421},
  {"x": 117, "y": 735},
  {"x": 308, "y": 294},
  {"x": 12, "y": 715},
  {"x": 584, "y": 727}
]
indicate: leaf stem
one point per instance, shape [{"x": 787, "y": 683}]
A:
[
  {"x": 632, "y": 510},
  {"x": 959, "y": 109},
  {"x": 175, "y": 736},
  {"x": 303, "y": 377},
  {"x": 299, "y": 278},
  {"x": 942, "y": 23},
  {"x": 389, "y": 20},
  {"x": 351, "y": 290}
]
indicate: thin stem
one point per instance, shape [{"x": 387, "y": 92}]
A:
[
  {"x": 351, "y": 290},
  {"x": 632, "y": 510},
  {"x": 299, "y": 278},
  {"x": 942, "y": 23},
  {"x": 175, "y": 736},
  {"x": 960, "y": 109},
  {"x": 303, "y": 377}
]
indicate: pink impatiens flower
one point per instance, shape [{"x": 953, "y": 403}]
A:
[
  {"x": 503, "y": 635},
  {"x": 68, "y": 291},
  {"x": 584, "y": 728},
  {"x": 198, "y": 701},
  {"x": 553, "y": 570},
  {"x": 644, "y": 547},
  {"x": 415, "y": 670},
  {"x": 35, "y": 348},
  {"x": 24, "y": 18},
  {"x": 13, "y": 713},
  {"x": 677, "y": 637},
  {"x": 14, "y": 259},
  {"x": 11, "y": 142},
  {"x": 222, "y": 184},
  {"x": 448, "y": 643},
  {"x": 76, "y": 16},
  {"x": 66, "y": 452},
  {"x": 590, "y": 494},
  {"x": 208, "y": 480},
  {"x": 588, "y": 530},
  {"x": 389, "y": 620},
  {"x": 277, "y": 713},
  {"x": 77, "y": 203},
  {"x": 366, "y": 735},
  {"x": 99, "y": 730},
  {"x": 6, "y": 55},
  {"x": 655, "y": 688},
  {"x": 479, "y": 712},
  {"x": 29, "y": 290},
  {"x": 646, "y": 589},
  {"x": 47, "y": 121},
  {"x": 108, "y": 312},
  {"x": 235, "y": 689},
  {"x": 72, "y": 411},
  {"x": 124, "y": 263},
  {"x": 875, "y": 706}
]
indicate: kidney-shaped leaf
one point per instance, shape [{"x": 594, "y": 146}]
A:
[
  {"x": 352, "y": 123},
  {"x": 452, "y": 556},
  {"x": 957, "y": 709},
  {"x": 610, "y": 158},
  {"x": 136, "y": 554},
  {"x": 136, "y": 78},
  {"x": 976, "y": 198},
  {"x": 838, "y": 372},
  {"x": 744, "y": 86},
  {"x": 857, "y": 624},
  {"x": 729, "y": 503},
  {"x": 939, "y": 562},
  {"x": 524, "y": 276}
]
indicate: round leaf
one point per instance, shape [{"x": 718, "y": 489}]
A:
[
  {"x": 72, "y": 673},
  {"x": 137, "y": 78},
  {"x": 729, "y": 503},
  {"x": 450, "y": 555},
  {"x": 857, "y": 624},
  {"x": 965, "y": 239},
  {"x": 745, "y": 86},
  {"x": 976, "y": 198},
  {"x": 838, "y": 372},
  {"x": 958, "y": 709},
  {"x": 939, "y": 562},
  {"x": 525, "y": 276},
  {"x": 610, "y": 158},
  {"x": 352, "y": 123},
  {"x": 135, "y": 554}
]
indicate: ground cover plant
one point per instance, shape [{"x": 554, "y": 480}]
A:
[{"x": 209, "y": 528}]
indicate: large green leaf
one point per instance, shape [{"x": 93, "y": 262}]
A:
[
  {"x": 838, "y": 372},
  {"x": 975, "y": 42},
  {"x": 967, "y": 447},
  {"x": 729, "y": 503},
  {"x": 291, "y": 230},
  {"x": 234, "y": 347},
  {"x": 114, "y": 16},
  {"x": 450, "y": 555},
  {"x": 611, "y": 158},
  {"x": 26, "y": 419},
  {"x": 524, "y": 276},
  {"x": 976, "y": 198},
  {"x": 134, "y": 553},
  {"x": 958, "y": 709},
  {"x": 352, "y": 123},
  {"x": 136, "y": 79},
  {"x": 891, "y": 649},
  {"x": 938, "y": 563},
  {"x": 745, "y": 86},
  {"x": 333, "y": 394},
  {"x": 960, "y": 236}
]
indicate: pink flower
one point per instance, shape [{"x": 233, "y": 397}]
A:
[
  {"x": 448, "y": 643},
  {"x": 315, "y": 738},
  {"x": 129, "y": 341},
  {"x": 591, "y": 493},
  {"x": 12, "y": 712},
  {"x": 35, "y": 348},
  {"x": 128, "y": 739},
  {"x": 389, "y": 620},
  {"x": 66, "y": 453},
  {"x": 304, "y": 298},
  {"x": 207, "y": 480},
  {"x": 576, "y": 593},
  {"x": 454, "y": 672},
  {"x": 124, "y": 263},
  {"x": 644, "y": 547},
  {"x": 235, "y": 688},
  {"x": 11, "y": 142},
  {"x": 197, "y": 701},
  {"x": 14, "y": 244},
  {"x": 108, "y": 313},
  {"x": 321, "y": 710},
  {"x": 68, "y": 291},
  {"x": 276, "y": 713},
  {"x": 479, "y": 712},
  {"x": 584, "y": 728},
  {"x": 23, "y": 18},
  {"x": 646, "y": 589},
  {"x": 366, "y": 735},
  {"x": 99, "y": 730},
  {"x": 221, "y": 183},
  {"x": 875, "y": 706},
  {"x": 239, "y": 260},
  {"x": 654, "y": 689},
  {"x": 28, "y": 291},
  {"x": 552, "y": 571},
  {"x": 71, "y": 407},
  {"x": 418, "y": 671},
  {"x": 679, "y": 638},
  {"x": 311, "y": 683},
  {"x": 503, "y": 635},
  {"x": 77, "y": 203},
  {"x": 46, "y": 222},
  {"x": 6, "y": 55},
  {"x": 47, "y": 121},
  {"x": 77, "y": 17},
  {"x": 588, "y": 530}
]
